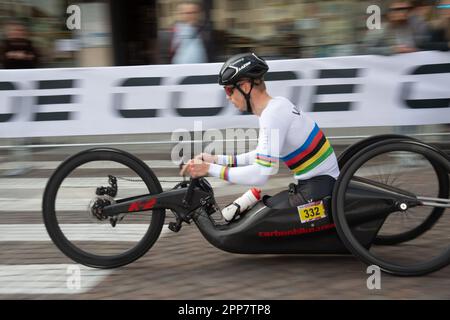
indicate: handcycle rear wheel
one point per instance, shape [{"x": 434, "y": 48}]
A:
[
  {"x": 384, "y": 238},
  {"x": 90, "y": 240},
  {"x": 420, "y": 255}
]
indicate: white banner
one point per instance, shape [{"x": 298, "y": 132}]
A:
[{"x": 356, "y": 91}]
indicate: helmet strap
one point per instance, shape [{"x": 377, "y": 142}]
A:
[{"x": 247, "y": 95}]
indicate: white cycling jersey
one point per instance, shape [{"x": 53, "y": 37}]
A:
[{"x": 286, "y": 134}]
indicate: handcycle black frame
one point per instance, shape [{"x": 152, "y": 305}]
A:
[{"x": 194, "y": 201}]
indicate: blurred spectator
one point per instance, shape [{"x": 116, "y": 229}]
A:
[
  {"x": 440, "y": 28},
  {"x": 419, "y": 20},
  {"x": 440, "y": 38},
  {"x": 288, "y": 39},
  {"x": 18, "y": 51},
  {"x": 406, "y": 28},
  {"x": 187, "y": 41},
  {"x": 395, "y": 36}
]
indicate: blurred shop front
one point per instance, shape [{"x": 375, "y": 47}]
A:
[
  {"x": 112, "y": 32},
  {"x": 281, "y": 29},
  {"x": 115, "y": 32},
  {"x": 57, "y": 44},
  {"x": 45, "y": 23}
]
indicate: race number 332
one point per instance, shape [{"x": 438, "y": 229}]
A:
[{"x": 311, "y": 211}]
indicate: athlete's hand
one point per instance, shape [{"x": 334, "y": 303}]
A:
[
  {"x": 183, "y": 170},
  {"x": 206, "y": 157},
  {"x": 195, "y": 168}
]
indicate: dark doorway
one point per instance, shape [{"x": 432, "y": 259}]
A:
[{"x": 134, "y": 29}]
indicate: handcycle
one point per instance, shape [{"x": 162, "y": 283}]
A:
[{"x": 370, "y": 214}]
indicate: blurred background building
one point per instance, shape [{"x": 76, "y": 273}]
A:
[
  {"x": 115, "y": 32},
  {"x": 141, "y": 32}
]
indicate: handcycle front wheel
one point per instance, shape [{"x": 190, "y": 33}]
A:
[
  {"x": 429, "y": 250},
  {"x": 91, "y": 239}
]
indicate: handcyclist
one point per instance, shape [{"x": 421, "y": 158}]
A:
[{"x": 286, "y": 134}]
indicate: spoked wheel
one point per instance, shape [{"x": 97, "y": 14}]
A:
[
  {"x": 358, "y": 146},
  {"x": 417, "y": 220},
  {"x": 413, "y": 226},
  {"x": 70, "y": 202},
  {"x": 408, "y": 168}
]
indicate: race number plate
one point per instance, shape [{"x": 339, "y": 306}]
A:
[{"x": 311, "y": 211}]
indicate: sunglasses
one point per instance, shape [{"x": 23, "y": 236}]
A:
[{"x": 230, "y": 89}]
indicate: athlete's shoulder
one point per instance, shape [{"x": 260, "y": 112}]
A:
[
  {"x": 282, "y": 101},
  {"x": 279, "y": 106}
]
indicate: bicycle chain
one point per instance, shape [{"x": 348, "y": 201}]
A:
[
  {"x": 129, "y": 179},
  {"x": 140, "y": 180}
]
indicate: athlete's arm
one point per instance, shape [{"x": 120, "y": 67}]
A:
[
  {"x": 247, "y": 175},
  {"x": 242, "y": 159},
  {"x": 271, "y": 137}
]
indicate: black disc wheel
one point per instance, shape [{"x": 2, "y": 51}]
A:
[
  {"x": 417, "y": 231},
  {"x": 70, "y": 206}
]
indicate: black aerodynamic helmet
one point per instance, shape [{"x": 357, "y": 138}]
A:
[{"x": 244, "y": 65}]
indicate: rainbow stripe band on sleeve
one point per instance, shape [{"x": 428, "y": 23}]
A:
[
  {"x": 265, "y": 160},
  {"x": 312, "y": 153},
  {"x": 224, "y": 173},
  {"x": 232, "y": 161}
]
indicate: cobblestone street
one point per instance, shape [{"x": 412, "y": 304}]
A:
[{"x": 183, "y": 265}]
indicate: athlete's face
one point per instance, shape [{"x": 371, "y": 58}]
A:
[{"x": 235, "y": 96}]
